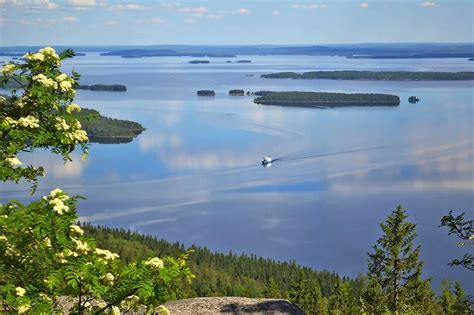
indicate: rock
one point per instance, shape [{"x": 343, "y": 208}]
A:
[{"x": 232, "y": 305}]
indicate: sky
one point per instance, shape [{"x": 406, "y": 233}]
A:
[{"x": 113, "y": 22}]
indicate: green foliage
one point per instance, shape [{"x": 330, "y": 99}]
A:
[
  {"x": 101, "y": 129},
  {"x": 39, "y": 118},
  {"x": 463, "y": 229},
  {"x": 372, "y": 75},
  {"x": 395, "y": 269},
  {"x": 43, "y": 254},
  {"x": 298, "y": 98},
  {"x": 219, "y": 274},
  {"x": 454, "y": 301}
]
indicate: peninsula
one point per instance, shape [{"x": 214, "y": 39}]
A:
[
  {"x": 373, "y": 75},
  {"x": 325, "y": 99},
  {"x": 101, "y": 129}
]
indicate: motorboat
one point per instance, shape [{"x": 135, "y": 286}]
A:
[{"x": 267, "y": 161}]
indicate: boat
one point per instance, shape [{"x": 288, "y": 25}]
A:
[{"x": 267, "y": 161}]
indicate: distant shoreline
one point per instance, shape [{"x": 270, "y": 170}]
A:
[{"x": 374, "y": 75}]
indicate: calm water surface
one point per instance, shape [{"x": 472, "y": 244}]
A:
[{"x": 194, "y": 176}]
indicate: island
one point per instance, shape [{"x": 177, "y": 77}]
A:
[
  {"x": 206, "y": 93},
  {"x": 244, "y": 61},
  {"x": 326, "y": 99},
  {"x": 413, "y": 99},
  {"x": 101, "y": 129},
  {"x": 470, "y": 59},
  {"x": 103, "y": 87},
  {"x": 198, "y": 61},
  {"x": 373, "y": 75},
  {"x": 236, "y": 92}
]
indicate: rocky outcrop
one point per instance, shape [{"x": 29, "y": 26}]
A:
[{"x": 232, "y": 305}]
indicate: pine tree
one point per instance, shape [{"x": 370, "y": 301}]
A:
[
  {"x": 272, "y": 290},
  {"x": 339, "y": 301},
  {"x": 395, "y": 268},
  {"x": 461, "y": 302}
]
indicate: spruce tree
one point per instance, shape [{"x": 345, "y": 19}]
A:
[
  {"x": 395, "y": 268},
  {"x": 339, "y": 301}
]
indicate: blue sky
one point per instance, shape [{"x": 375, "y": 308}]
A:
[{"x": 108, "y": 22}]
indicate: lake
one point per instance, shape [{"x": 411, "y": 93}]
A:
[{"x": 194, "y": 175}]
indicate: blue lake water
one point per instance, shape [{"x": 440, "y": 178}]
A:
[{"x": 194, "y": 175}]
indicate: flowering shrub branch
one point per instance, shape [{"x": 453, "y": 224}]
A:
[{"x": 44, "y": 254}]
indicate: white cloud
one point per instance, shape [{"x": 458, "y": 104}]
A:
[
  {"x": 428, "y": 4},
  {"x": 197, "y": 11},
  {"x": 110, "y": 23},
  {"x": 82, "y": 3},
  {"x": 244, "y": 11},
  {"x": 128, "y": 6},
  {"x": 69, "y": 19},
  {"x": 364, "y": 5},
  {"x": 276, "y": 12},
  {"x": 32, "y": 4},
  {"x": 309, "y": 6}
]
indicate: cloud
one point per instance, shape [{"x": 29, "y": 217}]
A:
[
  {"x": 243, "y": 11},
  {"x": 364, "y": 5},
  {"x": 110, "y": 23},
  {"x": 276, "y": 12},
  {"x": 428, "y": 4},
  {"x": 197, "y": 11},
  {"x": 128, "y": 6},
  {"x": 32, "y": 4},
  {"x": 153, "y": 21},
  {"x": 82, "y": 3},
  {"x": 69, "y": 19},
  {"x": 309, "y": 6}
]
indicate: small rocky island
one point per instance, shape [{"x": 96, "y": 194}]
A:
[
  {"x": 244, "y": 61},
  {"x": 373, "y": 75},
  {"x": 101, "y": 129},
  {"x": 103, "y": 87},
  {"x": 198, "y": 61},
  {"x": 236, "y": 92},
  {"x": 206, "y": 93},
  {"x": 325, "y": 99}
]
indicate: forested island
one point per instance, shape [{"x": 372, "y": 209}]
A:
[
  {"x": 101, "y": 129},
  {"x": 244, "y": 61},
  {"x": 236, "y": 92},
  {"x": 198, "y": 61},
  {"x": 206, "y": 93},
  {"x": 373, "y": 75},
  {"x": 103, "y": 87},
  {"x": 325, "y": 99}
]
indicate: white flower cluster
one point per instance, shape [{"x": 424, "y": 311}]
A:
[
  {"x": 129, "y": 302},
  {"x": 44, "y": 80},
  {"x": 56, "y": 199},
  {"x": 29, "y": 122},
  {"x": 20, "y": 291},
  {"x": 65, "y": 82},
  {"x": 76, "y": 229},
  {"x": 61, "y": 124},
  {"x": 106, "y": 254},
  {"x": 13, "y": 161},
  {"x": 78, "y": 136},
  {"x": 73, "y": 108},
  {"x": 8, "y": 68},
  {"x": 42, "y": 54},
  {"x": 155, "y": 263},
  {"x": 49, "y": 51},
  {"x": 81, "y": 246},
  {"x": 109, "y": 278}
]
